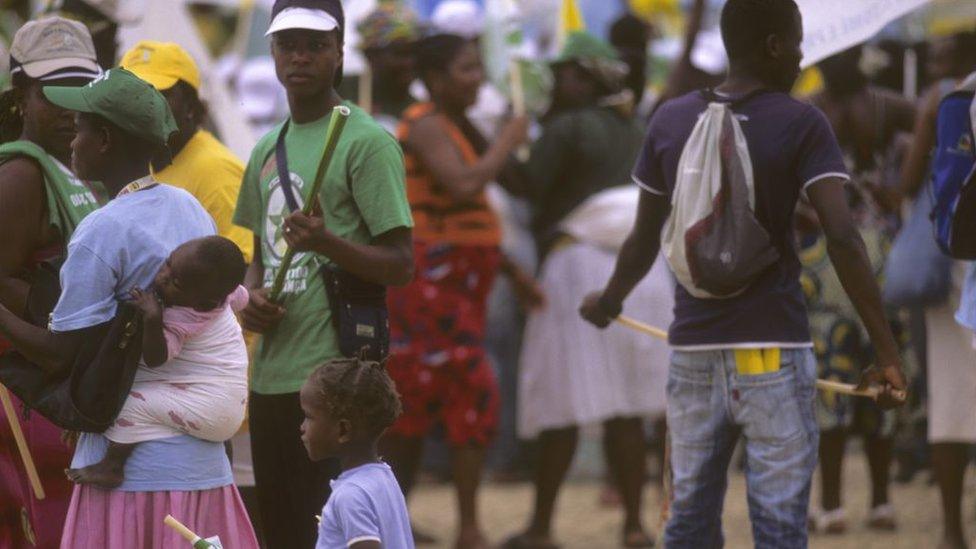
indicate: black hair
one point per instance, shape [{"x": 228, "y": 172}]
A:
[
  {"x": 746, "y": 24},
  {"x": 196, "y": 104},
  {"x": 11, "y": 119},
  {"x": 435, "y": 53},
  {"x": 218, "y": 265},
  {"x": 357, "y": 390}
]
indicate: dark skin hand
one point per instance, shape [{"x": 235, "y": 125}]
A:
[
  {"x": 387, "y": 260},
  {"x": 154, "y": 349},
  {"x": 260, "y": 315},
  {"x": 846, "y": 250},
  {"x": 528, "y": 293},
  {"x": 915, "y": 165}
]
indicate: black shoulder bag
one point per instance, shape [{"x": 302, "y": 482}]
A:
[
  {"x": 358, "y": 306},
  {"x": 89, "y": 394}
]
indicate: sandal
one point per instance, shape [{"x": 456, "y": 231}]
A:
[
  {"x": 882, "y": 517},
  {"x": 829, "y": 522}
]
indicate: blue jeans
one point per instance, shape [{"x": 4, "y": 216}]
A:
[{"x": 709, "y": 407}]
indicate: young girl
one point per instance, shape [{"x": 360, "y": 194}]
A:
[
  {"x": 348, "y": 403},
  {"x": 194, "y": 377}
]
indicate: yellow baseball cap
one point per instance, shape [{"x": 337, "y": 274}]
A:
[{"x": 162, "y": 64}]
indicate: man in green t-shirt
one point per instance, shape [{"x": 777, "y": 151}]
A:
[{"x": 364, "y": 228}]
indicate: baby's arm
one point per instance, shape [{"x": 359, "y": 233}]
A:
[{"x": 154, "y": 349}]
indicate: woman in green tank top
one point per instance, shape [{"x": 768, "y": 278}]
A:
[{"x": 41, "y": 203}]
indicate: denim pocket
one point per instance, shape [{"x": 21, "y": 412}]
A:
[
  {"x": 695, "y": 367},
  {"x": 693, "y": 412},
  {"x": 769, "y": 406}
]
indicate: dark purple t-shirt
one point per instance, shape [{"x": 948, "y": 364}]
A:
[{"x": 791, "y": 146}]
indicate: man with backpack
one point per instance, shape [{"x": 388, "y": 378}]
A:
[{"x": 724, "y": 190}]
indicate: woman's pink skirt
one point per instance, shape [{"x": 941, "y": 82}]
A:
[{"x": 102, "y": 519}]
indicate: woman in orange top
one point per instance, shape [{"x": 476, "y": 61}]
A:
[{"x": 437, "y": 355}]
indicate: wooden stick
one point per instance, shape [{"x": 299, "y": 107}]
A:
[
  {"x": 338, "y": 121},
  {"x": 182, "y": 530},
  {"x": 641, "y": 327},
  {"x": 25, "y": 455},
  {"x": 851, "y": 389},
  {"x": 822, "y": 384}
]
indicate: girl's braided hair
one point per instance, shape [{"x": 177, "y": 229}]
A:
[{"x": 358, "y": 390}]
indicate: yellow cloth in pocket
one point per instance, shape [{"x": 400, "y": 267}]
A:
[{"x": 753, "y": 362}]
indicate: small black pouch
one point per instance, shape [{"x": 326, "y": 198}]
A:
[
  {"x": 358, "y": 313},
  {"x": 358, "y": 306}
]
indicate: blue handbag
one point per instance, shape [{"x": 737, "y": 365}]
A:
[{"x": 917, "y": 273}]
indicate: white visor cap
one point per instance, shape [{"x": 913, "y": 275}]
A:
[{"x": 302, "y": 18}]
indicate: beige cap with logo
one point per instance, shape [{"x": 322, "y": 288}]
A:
[{"x": 53, "y": 48}]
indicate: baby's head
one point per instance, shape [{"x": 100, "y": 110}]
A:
[
  {"x": 346, "y": 400},
  {"x": 200, "y": 273}
]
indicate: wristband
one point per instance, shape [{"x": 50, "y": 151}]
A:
[{"x": 612, "y": 310}]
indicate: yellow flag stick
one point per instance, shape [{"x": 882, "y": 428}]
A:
[
  {"x": 340, "y": 114},
  {"x": 822, "y": 384},
  {"x": 25, "y": 455}
]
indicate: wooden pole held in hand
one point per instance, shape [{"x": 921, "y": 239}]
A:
[
  {"x": 822, "y": 384},
  {"x": 25, "y": 455},
  {"x": 340, "y": 114}
]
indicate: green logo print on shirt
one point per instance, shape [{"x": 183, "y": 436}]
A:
[{"x": 274, "y": 246}]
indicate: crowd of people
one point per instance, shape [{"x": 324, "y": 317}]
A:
[{"x": 249, "y": 297}]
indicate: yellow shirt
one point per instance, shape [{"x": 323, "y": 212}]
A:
[{"x": 209, "y": 171}]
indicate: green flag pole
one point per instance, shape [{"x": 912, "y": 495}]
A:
[{"x": 336, "y": 124}]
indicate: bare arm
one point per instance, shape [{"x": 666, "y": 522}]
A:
[
  {"x": 915, "y": 165},
  {"x": 387, "y": 260},
  {"x": 635, "y": 260},
  {"x": 677, "y": 83},
  {"x": 440, "y": 156},
  {"x": 902, "y": 114},
  {"x": 51, "y": 351},
  {"x": 367, "y": 544},
  {"x": 21, "y": 211},
  {"x": 850, "y": 260},
  {"x": 154, "y": 348}
]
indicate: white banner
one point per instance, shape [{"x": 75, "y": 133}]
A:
[{"x": 832, "y": 26}]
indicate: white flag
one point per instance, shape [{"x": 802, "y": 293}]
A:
[{"x": 832, "y": 26}]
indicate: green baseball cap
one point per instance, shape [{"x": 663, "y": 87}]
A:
[
  {"x": 123, "y": 99},
  {"x": 583, "y": 45}
]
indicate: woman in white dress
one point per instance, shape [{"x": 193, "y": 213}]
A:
[{"x": 570, "y": 373}]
